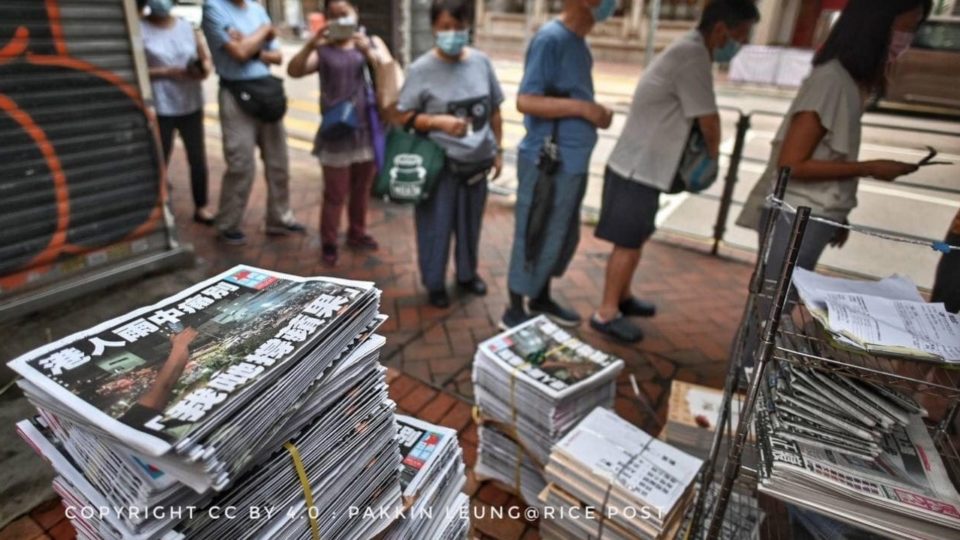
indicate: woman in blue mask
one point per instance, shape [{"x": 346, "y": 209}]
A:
[
  {"x": 452, "y": 94},
  {"x": 178, "y": 60}
]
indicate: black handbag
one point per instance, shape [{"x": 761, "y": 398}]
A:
[{"x": 262, "y": 98}]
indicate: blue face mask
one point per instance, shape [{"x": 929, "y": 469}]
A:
[
  {"x": 605, "y": 10},
  {"x": 452, "y": 42},
  {"x": 725, "y": 54},
  {"x": 160, "y": 8}
]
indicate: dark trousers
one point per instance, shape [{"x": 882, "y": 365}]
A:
[
  {"x": 946, "y": 289},
  {"x": 455, "y": 208},
  {"x": 354, "y": 181},
  {"x": 190, "y": 127}
]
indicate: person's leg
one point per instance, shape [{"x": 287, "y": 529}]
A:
[
  {"x": 361, "y": 182},
  {"x": 166, "y": 126},
  {"x": 272, "y": 140},
  {"x": 191, "y": 132},
  {"x": 559, "y": 247},
  {"x": 336, "y": 185},
  {"x": 520, "y": 276},
  {"x": 621, "y": 267},
  {"x": 239, "y": 134},
  {"x": 434, "y": 222},
  {"x": 471, "y": 201},
  {"x": 816, "y": 239},
  {"x": 946, "y": 287}
]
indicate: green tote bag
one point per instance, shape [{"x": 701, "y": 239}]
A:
[{"x": 411, "y": 167}]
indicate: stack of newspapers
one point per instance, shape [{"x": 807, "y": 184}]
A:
[
  {"x": 533, "y": 383},
  {"x": 609, "y": 479},
  {"x": 432, "y": 479},
  {"x": 887, "y": 317},
  {"x": 855, "y": 451},
  {"x": 251, "y": 405}
]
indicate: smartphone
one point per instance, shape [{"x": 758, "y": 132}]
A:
[{"x": 316, "y": 21}]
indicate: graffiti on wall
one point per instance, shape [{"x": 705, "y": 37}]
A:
[{"x": 79, "y": 165}]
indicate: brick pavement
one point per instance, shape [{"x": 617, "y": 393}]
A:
[{"x": 431, "y": 350}]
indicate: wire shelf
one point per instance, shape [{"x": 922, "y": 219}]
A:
[{"x": 801, "y": 340}]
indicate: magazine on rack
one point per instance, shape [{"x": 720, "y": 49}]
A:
[
  {"x": 884, "y": 317},
  {"x": 643, "y": 483},
  {"x": 172, "y": 381},
  {"x": 899, "y": 471}
]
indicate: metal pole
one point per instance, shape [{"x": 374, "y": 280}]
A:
[
  {"x": 652, "y": 32},
  {"x": 730, "y": 182},
  {"x": 736, "y": 351},
  {"x": 731, "y": 468}
]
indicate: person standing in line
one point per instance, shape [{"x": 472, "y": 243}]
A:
[
  {"x": 452, "y": 93},
  {"x": 242, "y": 45},
  {"x": 556, "y": 96},
  {"x": 340, "y": 55},
  {"x": 946, "y": 287},
  {"x": 675, "y": 96},
  {"x": 819, "y": 139},
  {"x": 178, "y": 60}
]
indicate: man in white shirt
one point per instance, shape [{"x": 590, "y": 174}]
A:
[{"x": 675, "y": 92}]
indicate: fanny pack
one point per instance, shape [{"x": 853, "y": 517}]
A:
[
  {"x": 470, "y": 173},
  {"x": 261, "y": 98}
]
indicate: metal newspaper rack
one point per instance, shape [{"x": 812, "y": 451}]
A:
[{"x": 784, "y": 332}]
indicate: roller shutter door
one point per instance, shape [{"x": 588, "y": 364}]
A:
[{"x": 81, "y": 186}]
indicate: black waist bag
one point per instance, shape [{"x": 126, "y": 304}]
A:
[
  {"x": 469, "y": 172},
  {"x": 261, "y": 98}
]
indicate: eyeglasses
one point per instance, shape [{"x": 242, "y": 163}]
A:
[{"x": 929, "y": 159}]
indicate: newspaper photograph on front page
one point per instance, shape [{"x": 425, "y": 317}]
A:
[{"x": 155, "y": 373}]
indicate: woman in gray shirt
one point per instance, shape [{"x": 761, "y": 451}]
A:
[
  {"x": 178, "y": 60},
  {"x": 820, "y": 136},
  {"x": 452, "y": 94}
]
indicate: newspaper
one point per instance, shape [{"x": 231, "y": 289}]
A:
[
  {"x": 903, "y": 474},
  {"x": 650, "y": 470},
  {"x": 550, "y": 359},
  {"x": 896, "y": 326},
  {"x": 887, "y": 316},
  {"x": 154, "y": 376}
]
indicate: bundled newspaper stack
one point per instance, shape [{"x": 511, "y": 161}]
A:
[
  {"x": 432, "y": 479},
  {"x": 886, "y": 317},
  {"x": 855, "y": 451},
  {"x": 636, "y": 485},
  {"x": 252, "y": 390},
  {"x": 533, "y": 383}
]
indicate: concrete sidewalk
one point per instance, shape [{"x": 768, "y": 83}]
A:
[{"x": 430, "y": 351}]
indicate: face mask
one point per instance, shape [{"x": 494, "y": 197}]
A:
[
  {"x": 342, "y": 29},
  {"x": 605, "y": 10},
  {"x": 160, "y": 8},
  {"x": 899, "y": 44},
  {"x": 725, "y": 54},
  {"x": 452, "y": 42}
]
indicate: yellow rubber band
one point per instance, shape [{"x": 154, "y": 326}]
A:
[{"x": 305, "y": 484}]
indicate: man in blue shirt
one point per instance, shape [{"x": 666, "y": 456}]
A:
[
  {"x": 556, "y": 96},
  {"x": 242, "y": 46}
]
